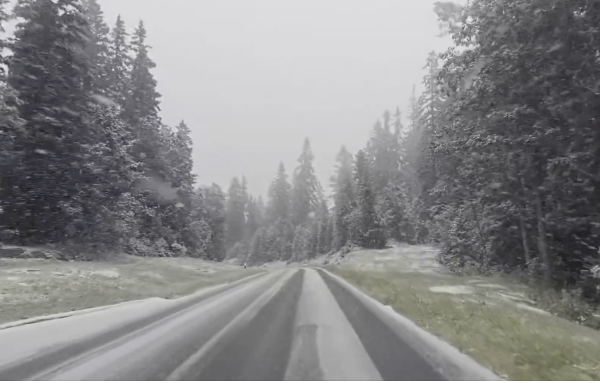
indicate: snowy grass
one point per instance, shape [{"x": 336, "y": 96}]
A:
[
  {"x": 489, "y": 318},
  {"x": 32, "y": 287}
]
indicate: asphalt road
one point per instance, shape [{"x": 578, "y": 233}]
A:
[{"x": 286, "y": 325}]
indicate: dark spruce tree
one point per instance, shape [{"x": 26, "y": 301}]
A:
[{"x": 48, "y": 69}]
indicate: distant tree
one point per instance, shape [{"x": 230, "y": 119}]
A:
[
  {"x": 344, "y": 202},
  {"x": 343, "y": 169},
  {"x": 215, "y": 207},
  {"x": 299, "y": 245},
  {"x": 279, "y": 197},
  {"x": 254, "y": 218},
  {"x": 306, "y": 187},
  {"x": 236, "y": 218},
  {"x": 366, "y": 230},
  {"x": 323, "y": 231}
]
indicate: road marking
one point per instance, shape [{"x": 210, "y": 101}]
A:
[{"x": 339, "y": 352}]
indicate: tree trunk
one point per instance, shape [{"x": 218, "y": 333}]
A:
[
  {"x": 522, "y": 203},
  {"x": 542, "y": 242},
  {"x": 524, "y": 238}
]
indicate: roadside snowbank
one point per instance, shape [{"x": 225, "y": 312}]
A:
[
  {"x": 447, "y": 360},
  {"x": 23, "y": 339},
  {"x": 32, "y": 288}
]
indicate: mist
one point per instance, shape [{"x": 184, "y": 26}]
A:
[{"x": 252, "y": 79}]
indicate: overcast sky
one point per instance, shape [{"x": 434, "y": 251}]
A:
[{"x": 253, "y": 78}]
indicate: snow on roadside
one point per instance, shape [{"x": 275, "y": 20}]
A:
[
  {"x": 112, "y": 274},
  {"x": 23, "y": 341},
  {"x": 37, "y": 287},
  {"x": 446, "y": 359},
  {"x": 399, "y": 256},
  {"x": 454, "y": 290},
  {"x": 422, "y": 260},
  {"x": 28, "y": 337}
]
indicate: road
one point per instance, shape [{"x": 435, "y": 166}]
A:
[{"x": 299, "y": 324}]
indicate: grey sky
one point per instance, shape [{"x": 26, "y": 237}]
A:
[{"x": 252, "y": 78}]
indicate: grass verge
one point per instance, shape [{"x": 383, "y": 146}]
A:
[
  {"x": 514, "y": 341},
  {"x": 31, "y": 287}
]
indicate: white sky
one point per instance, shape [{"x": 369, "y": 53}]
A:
[{"x": 253, "y": 78}]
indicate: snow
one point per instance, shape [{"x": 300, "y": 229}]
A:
[
  {"x": 452, "y": 289},
  {"x": 41, "y": 332},
  {"x": 515, "y": 296},
  {"x": 150, "y": 274},
  {"x": 340, "y": 351},
  {"x": 135, "y": 354},
  {"x": 399, "y": 257},
  {"x": 102, "y": 100},
  {"x": 490, "y": 285},
  {"x": 275, "y": 281},
  {"x": 26, "y": 338},
  {"x": 533, "y": 309},
  {"x": 112, "y": 274},
  {"x": 164, "y": 189}
]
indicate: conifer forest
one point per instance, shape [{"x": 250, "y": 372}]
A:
[{"x": 496, "y": 161}]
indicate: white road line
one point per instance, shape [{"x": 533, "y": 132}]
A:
[{"x": 341, "y": 355}]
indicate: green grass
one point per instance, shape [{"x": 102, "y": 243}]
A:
[
  {"x": 30, "y": 288},
  {"x": 514, "y": 342}
]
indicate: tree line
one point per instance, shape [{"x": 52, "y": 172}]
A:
[
  {"x": 499, "y": 164},
  {"x": 515, "y": 141},
  {"x": 300, "y": 221},
  {"x": 85, "y": 159}
]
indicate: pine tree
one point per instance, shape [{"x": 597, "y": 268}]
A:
[
  {"x": 11, "y": 130},
  {"x": 312, "y": 240},
  {"x": 178, "y": 166},
  {"x": 216, "y": 217},
  {"x": 305, "y": 190},
  {"x": 382, "y": 153},
  {"x": 343, "y": 169},
  {"x": 109, "y": 221},
  {"x": 97, "y": 49},
  {"x": 259, "y": 248},
  {"x": 236, "y": 218},
  {"x": 4, "y": 18},
  {"x": 143, "y": 99},
  {"x": 279, "y": 197},
  {"x": 323, "y": 232},
  {"x": 48, "y": 69},
  {"x": 254, "y": 218},
  {"x": 365, "y": 228},
  {"x": 343, "y": 187},
  {"x": 398, "y": 147},
  {"x": 118, "y": 64},
  {"x": 429, "y": 102},
  {"x": 245, "y": 195},
  {"x": 181, "y": 161},
  {"x": 299, "y": 244}
]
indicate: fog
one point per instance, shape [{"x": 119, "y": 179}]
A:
[{"x": 252, "y": 79}]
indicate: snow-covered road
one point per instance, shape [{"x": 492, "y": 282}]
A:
[{"x": 301, "y": 324}]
